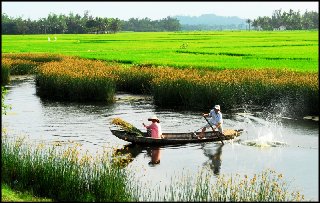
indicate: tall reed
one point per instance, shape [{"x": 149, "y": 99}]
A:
[
  {"x": 75, "y": 79},
  {"x": 63, "y": 174},
  {"x": 23, "y": 64},
  {"x": 268, "y": 186}
]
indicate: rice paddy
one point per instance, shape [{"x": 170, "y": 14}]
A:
[{"x": 293, "y": 50}]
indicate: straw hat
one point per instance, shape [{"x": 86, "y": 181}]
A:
[
  {"x": 217, "y": 107},
  {"x": 154, "y": 118}
]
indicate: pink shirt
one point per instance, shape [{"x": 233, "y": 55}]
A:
[{"x": 155, "y": 128}]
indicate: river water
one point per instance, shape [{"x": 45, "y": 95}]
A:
[{"x": 288, "y": 146}]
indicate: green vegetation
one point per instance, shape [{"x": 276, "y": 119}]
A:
[
  {"x": 75, "y": 79},
  {"x": 66, "y": 174},
  {"x": 4, "y": 107},
  {"x": 265, "y": 187},
  {"x": 63, "y": 174},
  {"x": 293, "y": 50},
  {"x": 129, "y": 128},
  {"x": 9, "y": 195}
]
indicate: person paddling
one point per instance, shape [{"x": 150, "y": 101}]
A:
[
  {"x": 154, "y": 127},
  {"x": 216, "y": 121}
]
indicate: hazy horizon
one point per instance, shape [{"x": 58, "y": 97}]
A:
[{"x": 125, "y": 10}]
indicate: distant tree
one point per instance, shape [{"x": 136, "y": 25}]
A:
[
  {"x": 114, "y": 25},
  {"x": 249, "y": 23}
]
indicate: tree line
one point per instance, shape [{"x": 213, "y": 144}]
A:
[
  {"x": 76, "y": 24},
  {"x": 290, "y": 20}
]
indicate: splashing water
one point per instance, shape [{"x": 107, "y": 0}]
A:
[{"x": 260, "y": 132}]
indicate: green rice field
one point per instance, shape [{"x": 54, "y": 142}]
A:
[{"x": 293, "y": 50}]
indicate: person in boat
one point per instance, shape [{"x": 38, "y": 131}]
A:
[
  {"x": 154, "y": 128},
  {"x": 216, "y": 120}
]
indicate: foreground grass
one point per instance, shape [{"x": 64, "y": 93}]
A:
[
  {"x": 62, "y": 174},
  {"x": 9, "y": 195},
  {"x": 68, "y": 175}
]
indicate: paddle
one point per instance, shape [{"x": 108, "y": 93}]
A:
[{"x": 213, "y": 129}]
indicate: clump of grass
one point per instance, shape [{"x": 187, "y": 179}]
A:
[
  {"x": 20, "y": 66},
  {"x": 124, "y": 125},
  {"x": 23, "y": 64},
  {"x": 4, "y": 107},
  {"x": 136, "y": 80},
  {"x": 201, "y": 89},
  {"x": 63, "y": 174},
  {"x": 74, "y": 79},
  {"x": 267, "y": 186},
  {"x": 5, "y": 70},
  {"x": 34, "y": 57}
]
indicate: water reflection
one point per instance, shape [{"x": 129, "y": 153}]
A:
[
  {"x": 155, "y": 154},
  {"x": 88, "y": 124},
  {"x": 214, "y": 158},
  {"x": 126, "y": 154}
]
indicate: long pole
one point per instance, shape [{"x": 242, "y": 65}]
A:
[{"x": 213, "y": 129}]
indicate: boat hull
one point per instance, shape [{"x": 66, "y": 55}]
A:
[{"x": 176, "y": 138}]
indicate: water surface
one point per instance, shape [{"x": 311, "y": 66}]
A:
[{"x": 285, "y": 145}]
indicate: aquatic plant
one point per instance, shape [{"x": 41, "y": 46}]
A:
[
  {"x": 124, "y": 125},
  {"x": 4, "y": 107},
  {"x": 74, "y": 79},
  {"x": 268, "y": 186},
  {"x": 63, "y": 173}
]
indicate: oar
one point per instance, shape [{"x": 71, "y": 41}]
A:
[{"x": 213, "y": 129}]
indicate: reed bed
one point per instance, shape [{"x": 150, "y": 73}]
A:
[
  {"x": 268, "y": 186},
  {"x": 67, "y": 173},
  {"x": 201, "y": 89},
  {"x": 75, "y": 79},
  {"x": 23, "y": 64},
  {"x": 61, "y": 173},
  {"x": 35, "y": 57}
]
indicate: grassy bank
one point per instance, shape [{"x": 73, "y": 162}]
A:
[
  {"x": 69, "y": 174},
  {"x": 75, "y": 79},
  {"x": 62, "y": 174},
  {"x": 23, "y": 64},
  {"x": 9, "y": 195}
]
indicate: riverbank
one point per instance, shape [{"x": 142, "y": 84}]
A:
[
  {"x": 74, "y": 79},
  {"x": 9, "y": 195}
]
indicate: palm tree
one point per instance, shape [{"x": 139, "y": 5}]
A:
[{"x": 249, "y": 23}]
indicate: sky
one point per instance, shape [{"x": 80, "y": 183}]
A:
[{"x": 155, "y": 10}]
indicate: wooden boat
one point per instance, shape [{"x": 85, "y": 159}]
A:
[{"x": 176, "y": 138}]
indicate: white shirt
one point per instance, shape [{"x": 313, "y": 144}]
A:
[{"x": 215, "y": 117}]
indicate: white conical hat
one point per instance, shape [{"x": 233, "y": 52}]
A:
[{"x": 154, "y": 118}]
